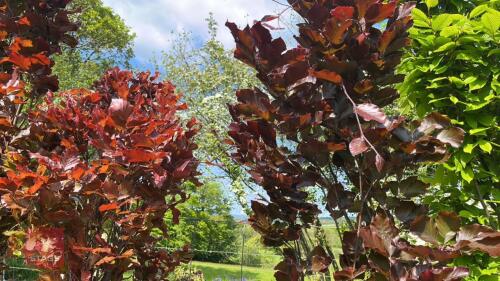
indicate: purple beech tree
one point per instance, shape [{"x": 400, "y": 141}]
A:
[{"x": 320, "y": 122}]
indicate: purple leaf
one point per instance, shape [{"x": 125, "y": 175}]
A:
[
  {"x": 369, "y": 112},
  {"x": 358, "y": 146}
]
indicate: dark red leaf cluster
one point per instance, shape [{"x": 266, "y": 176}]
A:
[
  {"x": 321, "y": 123},
  {"x": 102, "y": 165},
  {"x": 106, "y": 165},
  {"x": 30, "y": 31}
]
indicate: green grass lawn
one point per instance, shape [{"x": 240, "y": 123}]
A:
[{"x": 228, "y": 272}]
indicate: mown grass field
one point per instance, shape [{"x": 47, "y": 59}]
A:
[{"x": 227, "y": 272}]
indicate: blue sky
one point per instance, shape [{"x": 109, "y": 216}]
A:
[{"x": 154, "y": 20}]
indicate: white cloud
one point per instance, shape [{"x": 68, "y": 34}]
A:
[{"x": 154, "y": 20}]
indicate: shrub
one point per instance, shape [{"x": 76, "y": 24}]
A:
[
  {"x": 87, "y": 176},
  {"x": 320, "y": 123}
]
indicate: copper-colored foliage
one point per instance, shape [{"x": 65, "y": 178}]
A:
[
  {"x": 330, "y": 91},
  {"x": 103, "y": 165},
  {"x": 30, "y": 31},
  {"x": 93, "y": 170}
]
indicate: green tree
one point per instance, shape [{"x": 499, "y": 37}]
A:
[
  {"x": 206, "y": 225},
  {"x": 208, "y": 76},
  {"x": 254, "y": 253},
  {"x": 453, "y": 68},
  {"x": 450, "y": 6},
  {"x": 104, "y": 41}
]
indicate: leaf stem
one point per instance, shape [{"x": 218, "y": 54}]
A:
[{"x": 358, "y": 121}]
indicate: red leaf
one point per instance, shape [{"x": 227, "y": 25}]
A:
[
  {"x": 479, "y": 238},
  {"x": 379, "y": 235},
  {"x": 380, "y": 11},
  {"x": 444, "y": 274},
  {"x": 38, "y": 184},
  {"x": 426, "y": 229},
  {"x": 432, "y": 122},
  {"x": 24, "y": 21},
  {"x": 369, "y": 112},
  {"x": 176, "y": 213},
  {"x": 141, "y": 155},
  {"x": 343, "y": 13},
  {"x": 349, "y": 273},
  {"x": 336, "y": 30},
  {"x": 363, "y": 6},
  {"x": 108, "y": 207},
  {"x": 120, "y": 110},
  {"x": 453, "y": 136},
  {"x": 267, "y": 18},
  {"x": 105, "y": 260},
  {"x": 77, "y": 173},
  {"x": 334, "y": 147},
  {"x": 44, "y": 248},
  {"x": 5, "y": 123},
  {"x": 92, "y": 250},
  {"x": 364, "y": 86},
  {"x": 183, "y": 170},
  {"x": 385, "y": 40},
  {"x": 319, "y": 260},
  {"x": 358, "y": 146},
  {"x": 326, "y": 75}
]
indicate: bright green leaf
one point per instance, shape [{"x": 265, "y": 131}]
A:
[
  {"x": 446, "y": 47},
  {"x": 477, "y": 84},
  {"x": 468, "y": 148},
  {"x": 454, "y": 99},
  {"x": 456, "y": 81},
  {"x": 490, "y": 22},
  {"x": 479, "y": 10},
  {"x": 470, "y": 79},
  {"x": 450, "y": 31},
  {"x": 441, "y": 21},
  {"x": 478, "y": 131},
  {"x": 420, "y": 19},
  {"x": 467, "y": 174},
  {"x": 472, "y": 107},
  {"x": 493, "y": 52},
  {"x": 466, "y": 214},
  {"x": 431, "y": 3},
  {"x": 485, "y": 146}
]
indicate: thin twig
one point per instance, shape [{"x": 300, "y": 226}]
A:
[
  {"x": 359, "y": 122},
  {"x": 329, "y": 208},
  {"x": 363, "y": 198},
  {"x": 279, "y": 3},
  {"x": 356, "y": 244}
]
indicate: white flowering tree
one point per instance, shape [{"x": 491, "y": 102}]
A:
[{"x": 207, "y": 76}]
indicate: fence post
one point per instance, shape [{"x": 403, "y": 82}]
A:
[{"x": 242, "y": 251}]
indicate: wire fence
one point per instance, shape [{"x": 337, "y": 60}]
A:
[{"x": 242, "y": 262}]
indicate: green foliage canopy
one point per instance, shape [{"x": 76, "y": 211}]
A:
[
  {"x": 453, "y": 68},
  {"x": 206, "y": 224},
  {"x": 104, "y": 41}
]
